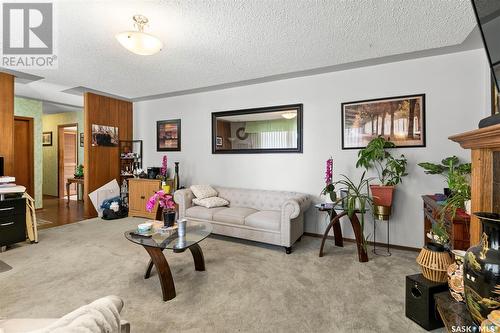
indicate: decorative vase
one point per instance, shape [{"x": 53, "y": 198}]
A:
[
  {"x": 169, "y": 218},
  {"x": 176, "y": 176},
  {"x": 434, "y": 264},
  {"x": 482, "y": 270},
  {"x": 455, "y": 276}
]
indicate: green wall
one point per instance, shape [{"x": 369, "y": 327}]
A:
[
  {"x": 50, "y": 123},
  {"x": 30, "y": 108}
]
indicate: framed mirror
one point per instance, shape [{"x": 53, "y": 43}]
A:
[{"x": 276, "y": 129}]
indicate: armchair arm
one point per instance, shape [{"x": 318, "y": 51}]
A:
[
  {"x": 292, "y": 207},
  {"x": 184, "y": 198}
]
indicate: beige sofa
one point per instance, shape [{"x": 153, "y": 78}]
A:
[
  {"x": 102, "y": 315},
  {"x": 272, "y": 217}
]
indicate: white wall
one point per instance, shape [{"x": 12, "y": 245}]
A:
[{"x": 456, "y": 88}]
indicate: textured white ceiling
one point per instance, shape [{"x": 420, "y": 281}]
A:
[{"x": 212, "y": 42}]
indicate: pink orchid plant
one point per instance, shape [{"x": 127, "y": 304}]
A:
[
  {"x": 329, "y": 186},
  {"x": 164, "y": 167},
  {"x": 165, "y": 200}
]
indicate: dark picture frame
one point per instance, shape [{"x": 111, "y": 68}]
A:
[
  {"x": 296, "y": 107},
  {"x": 355, "y": 116},
  {"x": 168, "y": 135},
  {"x": 81, "y": 139},
  {"x": 46, "y": 139}
]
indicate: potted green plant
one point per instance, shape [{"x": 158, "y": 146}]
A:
[
  {"x": 358, "y": 199},
  {"x": 457, "y": 176},
  {"x": 390, "y": 170}
]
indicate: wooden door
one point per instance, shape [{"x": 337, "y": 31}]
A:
[
  {"x": 23, "y": 153},
  {"x": 70, "y": 157},
  {"x": 67, "y": 157}
]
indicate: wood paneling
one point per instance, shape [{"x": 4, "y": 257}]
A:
[
  {"x": 102, "y": 163},
  {"x": 481, "y": 189},
  {"x": 24, "y": 154},
  {"x": 7, "y": 121},
  {"x": 483, "y": 142}
]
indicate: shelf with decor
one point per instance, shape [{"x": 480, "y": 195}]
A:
[{"x": 130, "y": 156}]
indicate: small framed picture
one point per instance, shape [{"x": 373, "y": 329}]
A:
[
  {"x": 47, "y": 139},
  {"x": 219, "y": 141},
  {"x": 81, "y": 139},
  {"x": 168, "y": 135}
]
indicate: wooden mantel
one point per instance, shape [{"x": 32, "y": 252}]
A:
[{"x": 483, "y": 143}]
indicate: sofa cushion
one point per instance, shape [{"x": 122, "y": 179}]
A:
[
  {"x": 202, "y": 213},
  {"x": 211, "y": 202},
  {"x": 203, "y": 191},
  {"x": 234, "y": 215},
  {"x": 24, "y": 325},
  {"x": 265, "y": 219}
]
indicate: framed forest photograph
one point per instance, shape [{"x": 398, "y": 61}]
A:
[
  {"x": 168, "y": 135},
  {"x": 398, "y": 119}
]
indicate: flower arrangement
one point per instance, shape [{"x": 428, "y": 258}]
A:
[
  {"x": 164, "y": 167},
  {"x": 329, "y": 186},
  {"x": 165, "y": 201}
]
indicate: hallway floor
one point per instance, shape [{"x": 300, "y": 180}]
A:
[{"x": 56, "y": 212}]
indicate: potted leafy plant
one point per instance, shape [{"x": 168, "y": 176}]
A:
[
  {"x": 167, "y": 205},
  {"x": 390, "y": 170},
  {"x": 358, "y": 200},
  {"x": 457, "y": 176}
]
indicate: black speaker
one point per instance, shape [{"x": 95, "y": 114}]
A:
[
  {"x": 1, "y": 166},
  {"x": 420, "y": 305}
]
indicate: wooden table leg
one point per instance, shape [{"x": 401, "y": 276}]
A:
[
  {"x": 148, "y": 269},
  {"x": 67, "y": 191},
  {"x": 163, "y": 270},
  {"x": 335, "y": 220},
  {"x": 199, "y": 261},
  {"x": 337, "y": 233},
  {"x": 356, "y": 227}
]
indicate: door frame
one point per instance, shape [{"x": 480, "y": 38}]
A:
[
  {"x": 60, "y": 154},
  {"x": 31, "y": 144}
]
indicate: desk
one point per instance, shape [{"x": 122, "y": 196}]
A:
[
  {"x": 337, "y": 229},
  {"x": 77, "y": 181}
]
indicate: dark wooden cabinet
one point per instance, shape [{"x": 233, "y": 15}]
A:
[
  {"x": 457, "y": 227},
  {"x": 12, "y": 221}
]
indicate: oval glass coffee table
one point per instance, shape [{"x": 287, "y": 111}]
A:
[{"x": 157, "y": 241}]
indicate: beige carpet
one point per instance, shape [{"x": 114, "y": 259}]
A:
[{"x": 247, "y": 287}]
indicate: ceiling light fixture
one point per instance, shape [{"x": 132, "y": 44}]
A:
[
  {"x": 140, "y": 42},
  {"x": 289, "y": 115}
]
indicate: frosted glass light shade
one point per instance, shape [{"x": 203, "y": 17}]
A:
[
  {"x": 140, "y": 42},
  {"x": 289, "y": 115}
]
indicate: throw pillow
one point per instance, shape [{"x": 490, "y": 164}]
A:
[
  {"x": 211, "y": 202},
  {"x": 203, "y": 191}
]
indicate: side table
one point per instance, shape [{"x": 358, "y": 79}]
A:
[{"x": 331, "y": 209}]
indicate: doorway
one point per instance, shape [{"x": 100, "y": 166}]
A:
[
  {"x": 67, "y": 157},
  {"x": 23, "y": 153}
]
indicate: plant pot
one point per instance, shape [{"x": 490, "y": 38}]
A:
[
  {"x": 382, "y": 195},
  {"x": 456, "y": 276},
  {"x": 169, "y": 218},
  {"x": 434, "y": 264},
  {"x": 482, "y": 270}
]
